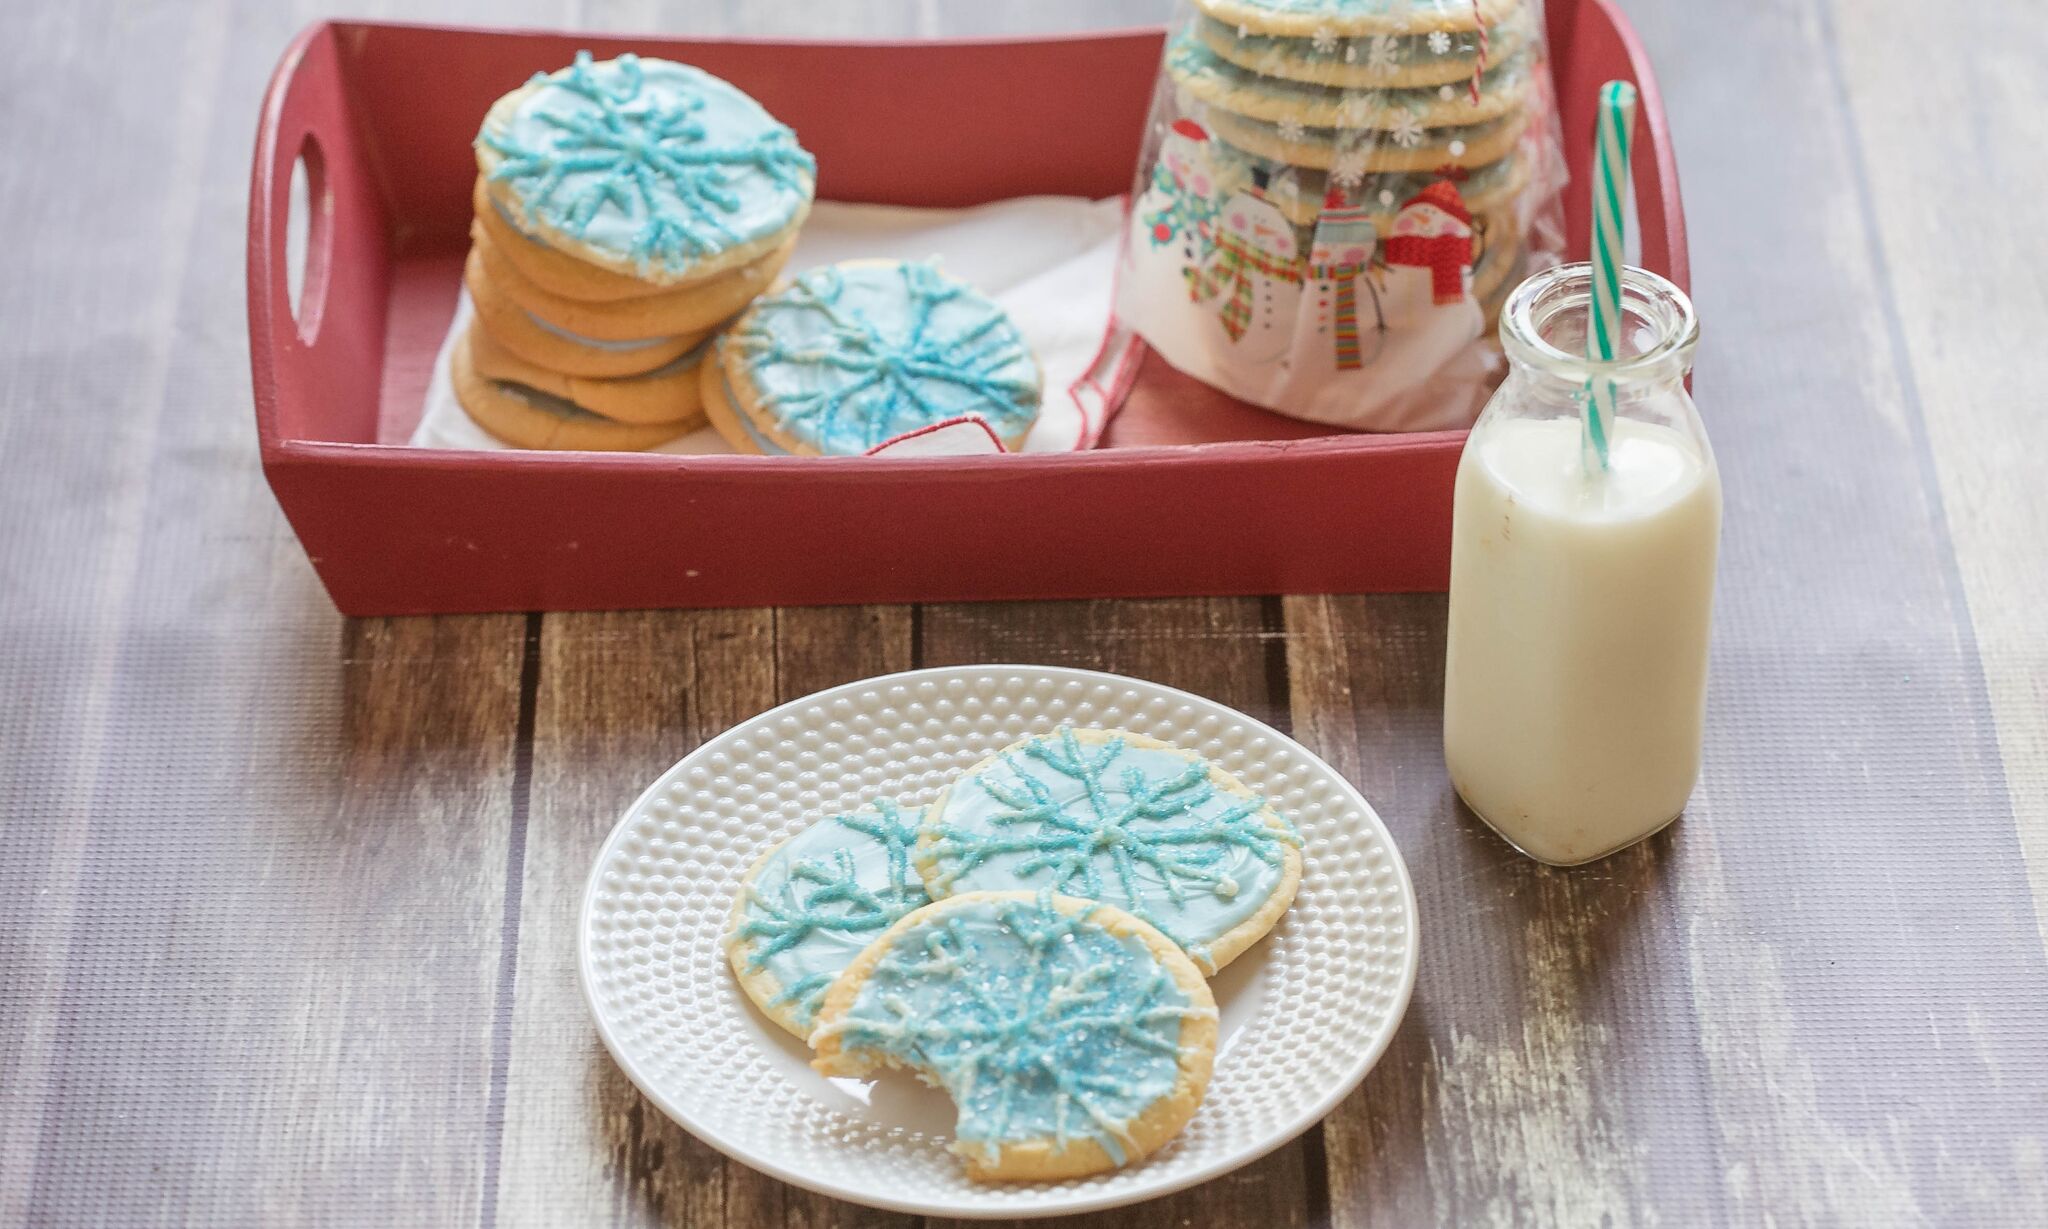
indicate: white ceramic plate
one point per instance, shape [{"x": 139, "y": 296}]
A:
[{"x": 1306, "y": 1012}]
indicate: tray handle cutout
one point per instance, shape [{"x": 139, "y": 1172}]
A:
[{"x": 308, "y": 238}]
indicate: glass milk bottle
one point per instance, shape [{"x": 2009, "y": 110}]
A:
[{"x": 1576, "y": 656}]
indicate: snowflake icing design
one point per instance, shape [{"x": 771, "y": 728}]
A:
[
  {"x": 1382, "y": 55},
  {"x": 1406, "y": 130},
  {"x": 1042, "y": 1024},
  {"x": 1324, "y": 40},
  {"x": 885, "y": 392},
  {"x": 825, "y": 894},
  {"x": 1178, "y": 829},
  {"x": 630, "y": 149},
  {"x": 1439, "y": 42}
]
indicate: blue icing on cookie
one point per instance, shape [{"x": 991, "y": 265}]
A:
[
  {"x": 849, "y": 356},
  {"x": 824, "y": 894},
  {"x": 1142, "y": 828},
  {"x": 657, "y": 163},
  {"x": 1040, "y": 1025}
]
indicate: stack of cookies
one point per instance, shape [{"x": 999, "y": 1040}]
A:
[
  {"x": 626, "y": 211},
  {"x": 1035, "y": 942},
  {"x": 1371, "y": 106}
]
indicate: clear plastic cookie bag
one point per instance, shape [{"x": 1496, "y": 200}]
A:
[{"x": 1335, "y": 197}]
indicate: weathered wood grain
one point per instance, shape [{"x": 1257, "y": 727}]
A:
[
  {"x": 620, "y": 697},
  {"x": 1970, "y": 329}
]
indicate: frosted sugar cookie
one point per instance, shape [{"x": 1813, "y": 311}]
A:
[
  {"x": 1209, "y": 77},
  {"x": 1308, "y": 18},
  {"x": 850, "y": 355},
  {"x": 692, "y": 307},
  {"x": 557, "y": 349},
  {"x": 527, "y": 417},
  {"x": 670, "y": 394},
  {"x": 1376, "y": 61},
  {"x": 644, "y": 167},
  {"x": 812, "y": 903},
  {"x": 1121, "y": 818},
  {"x": 1072, "y": 1037},
  {"x": 735, "y": 428}
]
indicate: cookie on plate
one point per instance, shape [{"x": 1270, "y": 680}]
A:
[
  {"x": 644, "y": 168},
  {"x": 670, "y": 394},
  {"x": 1072, "y": 1037},
  {"x": 845, "y": 357},
  {"x": 529, "y": 417},
  {"x": 1125, "y": 819},
  {"x": 810, "y": 905}
]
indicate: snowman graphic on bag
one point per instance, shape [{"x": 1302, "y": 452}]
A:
[
  {"x": 1342, "y": 325},
  {"x": 1432, "y": 239},
  {"x": 1255, "y": 273},
  {"x": 1180, "y": 203}
]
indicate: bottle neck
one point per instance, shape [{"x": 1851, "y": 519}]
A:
[{"x": 1544, "y": 328}]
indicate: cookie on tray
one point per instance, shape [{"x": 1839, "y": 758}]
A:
[
  {"x": 558, "y": 349},
  {"x": 671, "y": 394},
  {"x": 692, "y": 307},
  {"x": 1121, "y": 818},
  {"x": 1446, "y": 55},
  {"x": 1072, "y": 1036},
  {"x": 845, "y": 357},
  {"x": 1309, "y": 18},
  {"x": 1230, "y": 87},
  {"x": 810, "y": 905},
  {"x": 643, "y": 168},
  {"x": 529, "y": 417}
]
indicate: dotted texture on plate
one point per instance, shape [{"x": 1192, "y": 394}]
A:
[{"x": 1336, "y": 973}]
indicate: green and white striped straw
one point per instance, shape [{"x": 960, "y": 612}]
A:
[{"x": 1616, "y": 135}]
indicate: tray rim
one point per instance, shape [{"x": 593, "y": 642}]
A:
[{"x": 264, "y": 305}]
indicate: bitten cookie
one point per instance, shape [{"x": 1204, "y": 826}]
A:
[
  {"x": 646, "y": 168},
  {"x": 692, "y": 307},
  {"x": 811, "y": 904},
  {"x": 850, "y": 355},
  {"x": 530, "y": 418},
  {"x": 1072, "y": 1037},
  {"x": 1121, "y": 818},
  {"x": 671, "y": 394}
]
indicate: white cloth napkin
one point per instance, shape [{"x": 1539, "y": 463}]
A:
[{"x": 1049, "y": 261}]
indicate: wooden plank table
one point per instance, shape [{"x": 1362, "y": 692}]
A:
[{"x": 286, "y": 901}]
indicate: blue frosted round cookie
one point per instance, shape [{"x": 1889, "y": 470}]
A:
[
  {"x": 1072, "y": 1037},
  {"x": 1121, "y": 818},
  {"x": 643, "y": 167},
  {"x": 848, "y": 356},
  {"x": 812, "y": 903}
]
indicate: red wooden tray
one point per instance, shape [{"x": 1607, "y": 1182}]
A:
[{"x": 1192, "y": 493}]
